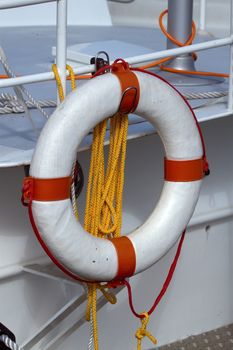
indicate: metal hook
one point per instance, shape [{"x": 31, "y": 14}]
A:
[
  {"x": 103, "y": 53},
  {"x": 134, "y": 100},
  {"x": 100, "y": 62},
  {"x": 103, "y": 62}
]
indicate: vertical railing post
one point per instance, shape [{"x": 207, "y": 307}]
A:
[
  {"x": 202, "y": 15},
  {"x": 230, "y": 94},
  {"x": 179, "y": 25},
  {"x": 61, "y": 40}
]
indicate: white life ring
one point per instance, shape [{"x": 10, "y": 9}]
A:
[{"x": 98, "y": 259}]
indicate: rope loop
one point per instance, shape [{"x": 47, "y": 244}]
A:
[
  {"x": 110, "y": 297},
  {"x": 59, "y": 83},
  {"x": 190, "y": 39},
  {"x": 160, "y": 63}
]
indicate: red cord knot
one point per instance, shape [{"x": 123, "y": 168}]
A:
[
  {"x": 27, "y": 191},
  {"x": 120, "y": 65}
]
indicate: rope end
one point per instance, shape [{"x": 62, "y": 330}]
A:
[{"x": 143, "y": 332}]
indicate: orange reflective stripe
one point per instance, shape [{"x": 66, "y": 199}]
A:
[
  {"x": 129, "y": 87},
  {"x": 126, "y": 257},
  {"x": 183, "y": 170},
  {"x": 46, "y": 189}
]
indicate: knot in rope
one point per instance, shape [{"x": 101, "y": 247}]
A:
[{"x": 143, "y": 332}]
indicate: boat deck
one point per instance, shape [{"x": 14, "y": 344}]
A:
[
  {"x": 29, "y": 50},
  {"x": 218, "y": 339}
]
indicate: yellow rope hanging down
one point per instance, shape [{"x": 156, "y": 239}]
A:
[
  {"x": 59, "y": 83},
  {"x": 103, "y": 214},
  {"x": 143, "y": 332},
  {"x": 61, "y": 97}
]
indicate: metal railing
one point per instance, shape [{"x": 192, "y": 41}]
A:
[
  {"x": 61, "y": 25},
  {"x": 61, "y": 48}
]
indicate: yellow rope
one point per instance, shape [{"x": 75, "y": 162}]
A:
[
  {"x": 103, "y": 214},
  {"x": 143, "y": 332},
  {"x": 59, "y": 83},
  {"x": 61, "y": 97}
]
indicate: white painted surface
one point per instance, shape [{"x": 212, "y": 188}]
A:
[
  {"x": 100, "y": 12},
  {"x": 88, "y": 12},
  {"x": 82, "y": 53},
  {"x": 61, "y": 36},
  {"x": 146, "y": 13},
  {"x": 7, "y": 4},
  {"x": 200, "y": 296}
]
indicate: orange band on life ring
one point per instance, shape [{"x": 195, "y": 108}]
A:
[
  {"x": 183, "y": 170},
  {"x": 46, "y": 190},
  {"x": 126, "y": 257}
]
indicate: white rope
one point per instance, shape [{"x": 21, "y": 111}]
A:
[
  {"x": 73, "y": 196},
  {"x": 204, "y": 95},
  {"x": 9, "y": 343},
  {"x": 27, "y": 93},
  {"x": 91, "y": 333},
  {"x": 10, "y": 104}
]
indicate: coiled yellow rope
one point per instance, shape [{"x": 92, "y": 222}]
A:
[{"x": 103, "y": 214}]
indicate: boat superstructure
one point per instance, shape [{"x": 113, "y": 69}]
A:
[{"x": 46, "y": 309}]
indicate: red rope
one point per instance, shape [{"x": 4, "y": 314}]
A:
[{"x": 165, "y": 285}]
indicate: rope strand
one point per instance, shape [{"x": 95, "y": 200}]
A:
[{"x": 189, "y": 41}]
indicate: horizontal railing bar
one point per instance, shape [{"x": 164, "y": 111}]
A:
[
  {"x": 181, "y": 50},
  {"x": 41, "y": 77},
  {"x": 9, "y": 4}
]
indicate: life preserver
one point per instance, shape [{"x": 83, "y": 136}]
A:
[{"x": 48, "y": 187}]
